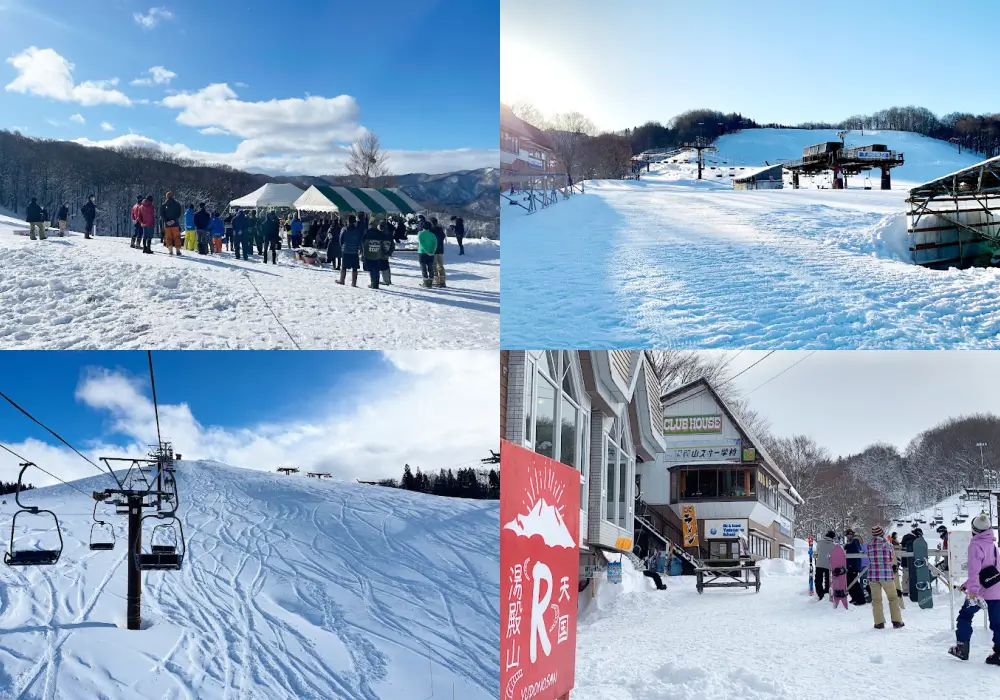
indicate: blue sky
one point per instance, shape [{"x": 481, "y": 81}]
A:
[
  {"x": 357, "y": 414},
  {"x": 772, "y": 61},
  {"x": 421, "y": 74}
]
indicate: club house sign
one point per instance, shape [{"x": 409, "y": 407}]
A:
[{"x": 692, "y": 425}]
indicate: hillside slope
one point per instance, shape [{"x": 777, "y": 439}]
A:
[{"x": 292, "y": 589}]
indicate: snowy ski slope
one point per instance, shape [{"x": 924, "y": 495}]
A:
[
  {"x": 779, "y": 644},
  {"x": 672, "y": 262},
  {"x": 949, "y": 510},
  {"x": 292, "y": 589},
  {"x": 74, "y": 294}
]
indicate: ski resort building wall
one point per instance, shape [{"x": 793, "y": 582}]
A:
[
  {"x": 523, "y": 147},
  {"x": 594, "y": 411},
  {"x": 713, "y": 462},
  {"x": 769, "y": 178}
]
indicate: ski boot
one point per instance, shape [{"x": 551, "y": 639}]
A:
[
  {"x": 961, "y": 651},
  {"x": 897, "y": 625},
  {"x": 880, "y": 625},
  {"x": 994, "y": 658}
]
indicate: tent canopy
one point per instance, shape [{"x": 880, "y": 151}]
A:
[
  {"x": 272, "y": 194},
  {"x": 370, "y": 200}
]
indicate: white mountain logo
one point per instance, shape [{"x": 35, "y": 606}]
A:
[{"x": 543, "y": 520}]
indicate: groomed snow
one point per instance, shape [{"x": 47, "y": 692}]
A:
[
  {"x": 292, "y": 589},
  {"x": 74, "y": 294},
  {"x": 778, "y": 644},
  {"x": 672, "y": 262}
]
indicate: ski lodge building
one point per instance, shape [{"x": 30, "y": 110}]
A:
[
  {"x": 713, "y": 483},
  {"x": 767, "y": 178},
  {"x": 524, "y": 149},
  {"x": 598, "y": 412}
]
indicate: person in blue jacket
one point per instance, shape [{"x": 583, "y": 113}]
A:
[
  {"x": 350, "y": 246},
  {"x": 241, "y": 235},
  {"x": 295, "y": 240},
  {"x": 217, "y": 227},
  {"x": 854, "y": 567},
  {"x": 190, "y": 232}
]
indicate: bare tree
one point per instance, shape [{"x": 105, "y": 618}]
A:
[
  {"x": 569, "y": 133},
  {"x": 368, "y": 161},
  {"x": 529, "y": 113}
]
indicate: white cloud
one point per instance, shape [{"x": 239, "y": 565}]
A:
[
  {"x": 430, "y": 409},
  {"x": 214, "y": 131},
  {"x": 153, "y": 17},
  {"x": 78, "y": 118},
  {"x": 158, "y": 75},
  {"x": 107, "y": 127},
  {"x": 43, "y": 72}
]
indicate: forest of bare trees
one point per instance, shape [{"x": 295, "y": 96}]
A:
[
  {"x": 61, "y": 171},
  {"x": 848, "y": 490}
]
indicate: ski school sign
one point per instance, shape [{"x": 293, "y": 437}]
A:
[
  {"x": 692, "y": 425},
  {"x": 539, "y": 570}
]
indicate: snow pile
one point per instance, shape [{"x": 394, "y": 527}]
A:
[
  {"x": 891, "y": 239},
  {"x": 291, "y": 588},
  {"x": 71, "y": 293},
  {"x": 780, "y": 567},
  {"x": 600, "y": 597}
]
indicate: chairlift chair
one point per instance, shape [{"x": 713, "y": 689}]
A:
[
  {"x": 162, "y": 557},
  {"x": 30, "y": 557},
  {"x": 101, "y": 544}
]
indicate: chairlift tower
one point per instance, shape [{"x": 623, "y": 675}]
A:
[{"x": 700, "y": 147}]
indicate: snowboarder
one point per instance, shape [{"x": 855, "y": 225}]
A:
[
  {"x": 822, "y": 558},
  {"x": 201, "y": 221},
  {"x": 426, "y": 245},
  {"x": 253, "y": 230},
  {"x": 218, "y": 229},
  {"x": 982, "y": 558},
  {"x": 439, "y": 276},
  {"x": 240, "y": 234},
  {"x": 147, "y": 218},
  {"x": 459, "y": 233},
  {"x": 170, "y": 215},
  {"x": 295, "y": 238},
  {"x": 33, "y": 216},
  {"x": 350, "y": 245},
  {"x": 136, "y": 226},
  {"x": 854, "y": 568},
  {"x": 62, "y": 217},
  {"x": 272, "y": 236},
  {"x": 881, "y": 579},
  {"x": 371, "y": 243},
  {"x": 838, "y": 568},
  {"x": 333, "y": 252},
  {"x": 89, "y": 211},
  {"x": 388, "y": 248}
]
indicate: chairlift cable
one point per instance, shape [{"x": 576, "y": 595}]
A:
[
  {"x": 702, "y": 391},
  {"x": 156, "y": 410},
  {"x": 801, "y": 359},
  {"x": 53, "y": 433},
  {"x": 45, "y": 470}
]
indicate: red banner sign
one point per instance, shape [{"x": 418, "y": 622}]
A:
[{"x": 539, "y": 568}]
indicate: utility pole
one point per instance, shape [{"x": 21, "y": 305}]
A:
[{"x": 134, "y": 600}]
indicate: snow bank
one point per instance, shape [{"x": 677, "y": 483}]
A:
[
  {"x": 890, "y": 238},
  {"x": 600, "y": 596},
  {"x": 781, "y": 567},
  {"x": 292, "y": 588}
]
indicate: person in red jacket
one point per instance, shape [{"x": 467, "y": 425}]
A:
[
  {"x": 147, "y": 218},
  {"x": 137, "y": 227}
]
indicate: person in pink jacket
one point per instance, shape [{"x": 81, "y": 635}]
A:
[{"x": 982, "y": 553}]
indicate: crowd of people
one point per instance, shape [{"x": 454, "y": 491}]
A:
[
  {"x": 886, "y": 573},
  {"x": 346, "y": 242}
]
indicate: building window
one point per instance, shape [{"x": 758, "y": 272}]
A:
[
  {"x": 611, "y": 480},
  {"x": 545, "y": 418},
  {"x": 689, "y": 484},
  {"x": 619, "y": 477},
  {"x": 508, "y": 142},
  {"x": 584, "y": 464}
]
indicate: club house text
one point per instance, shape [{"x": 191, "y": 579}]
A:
[{"x": 692, "y": 424}]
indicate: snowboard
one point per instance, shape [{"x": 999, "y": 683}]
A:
[
  {"x": 911, "y": 573},
  {"x": 838, "y": 583},
  {"x": 812, "y": 569},
  {"x": 925, "y": 598},
  {"x": 866, "y": 590}
]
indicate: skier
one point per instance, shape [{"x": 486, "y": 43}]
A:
[
  {"x": 89, "y": 211},
  {"x": 202, "y": 219},
  {"x": 426, "y": 245},
  {"x": 439, "y": 277},
  {"x": 881, "y": 579},
  {"x": 33, "y": 216},
  {"x": 170, "y": 214},
  {"x": 371, "y": 243},
  {"x": 854, "y": 567},
  {"x": 147, "y": 218},
  {"x": 350, "y": 245},
  {"x": 62, "y": 216},
  {"x": 136, "y": 226},
  {"x": 388, "y": 248},
  {"x": 982, "y": 563},
  {"x": 218, "y": 230},
  {"x": 272, "y": 236},
  {"x": 240, "y": 234},
  {"x": 822, "y": 558}
]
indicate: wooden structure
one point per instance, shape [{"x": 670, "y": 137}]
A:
[
  {"x": 318, "y": 475},
  {"x": 727, "y": 573},
  {"x": 288, "y": 470},
  {"x": 842, "y": 160},
  {"x": 954, "y": 221}
]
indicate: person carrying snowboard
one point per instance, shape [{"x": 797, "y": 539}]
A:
[
  {"x": 33, "y": 216},
  {"x": 983, "y": 570},
  {"x": 822, "y": 558},
  {"x": 89, "y": 211},
  {"x": 838, "y": 569},
  {"x": 170, "y": 215},
  {"x": 854, "y": 568},
  {"x": 881, "y": 579}
]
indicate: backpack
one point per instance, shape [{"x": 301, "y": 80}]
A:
[{"x": 989, "y": 576}]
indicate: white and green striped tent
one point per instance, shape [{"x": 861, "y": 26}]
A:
[{"x": 370, "y": 200}]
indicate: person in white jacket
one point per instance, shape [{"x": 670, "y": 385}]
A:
[{"x": 822, "y": 556}]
